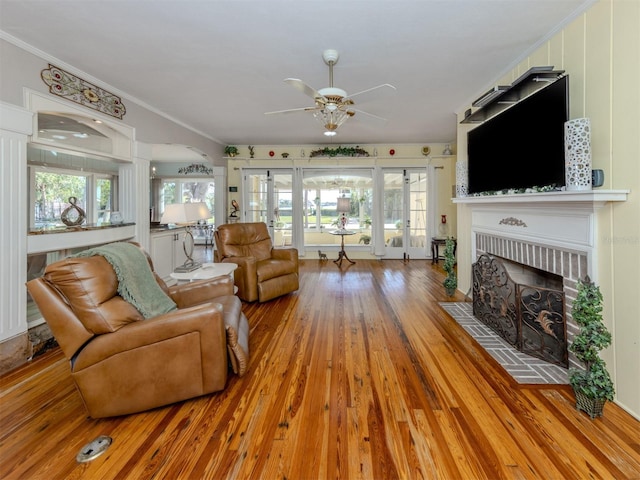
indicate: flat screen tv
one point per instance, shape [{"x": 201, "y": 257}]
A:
[{"x": 522, "y": 146}]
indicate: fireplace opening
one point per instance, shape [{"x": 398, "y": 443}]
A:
[
  {"x": 524, "y": 305},
  {"x": 526, "y": 275}
]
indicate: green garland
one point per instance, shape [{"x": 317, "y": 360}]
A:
[
  {"x": 340, "y": 152},
  {"x": 514, "y": 191}
]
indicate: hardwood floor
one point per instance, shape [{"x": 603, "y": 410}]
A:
[{"x": 358, "y": 375}]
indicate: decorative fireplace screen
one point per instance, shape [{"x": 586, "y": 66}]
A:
[{"x": 530, "y": 318}]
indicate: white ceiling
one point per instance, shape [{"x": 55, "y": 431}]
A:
[{"x": 218, "y": 65}]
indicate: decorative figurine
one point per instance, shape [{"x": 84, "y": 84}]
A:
[
  {"x": 73, "y": 215},
  {"x": 236, "y": 207}
]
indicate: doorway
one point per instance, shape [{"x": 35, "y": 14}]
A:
[{"x": 405, "y": 207}]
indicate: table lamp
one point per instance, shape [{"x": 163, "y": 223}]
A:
[
  {"x": 343, "y": 207},
  {"x": 186, "y": 214}
]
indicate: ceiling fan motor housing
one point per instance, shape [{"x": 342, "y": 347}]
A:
[{"x": 330, "y": 56}]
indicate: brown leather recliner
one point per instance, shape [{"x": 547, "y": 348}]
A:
[
  {"x": 122, "y": 363},
  {"x": 263, "y": 272}
]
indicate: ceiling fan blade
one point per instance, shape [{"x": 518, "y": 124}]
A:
[
  {"x": 293, "y": 110},
  {"x": 369, "y": 116},
  {"x": 303, "y": 87},
  {"x": 380, "y": 90}
]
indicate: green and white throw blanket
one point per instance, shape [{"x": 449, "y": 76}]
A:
[{"x": 136, "y": 283}]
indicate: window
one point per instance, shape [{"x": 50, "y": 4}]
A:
[
  {"x": 191, "y": 191},
  {"x": 54, "y": 176},
  {"x": 321, "y": 190},
  {"x": 53, "y": 187}
]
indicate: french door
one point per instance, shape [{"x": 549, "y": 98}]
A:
[
  {"x": 268, "y": 198},
  {"x": 405, "y": 207}
]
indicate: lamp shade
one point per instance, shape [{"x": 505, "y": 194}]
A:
[
  {"x": 181, "y": 213},
  {"x": 344, "y": 205}
]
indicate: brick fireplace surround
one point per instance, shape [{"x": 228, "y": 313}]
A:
[{"x": 555, "y": 232}]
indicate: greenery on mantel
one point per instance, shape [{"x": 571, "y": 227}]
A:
[
  {"x": 514, "y": 191},
  {"x": 340, "y": 152}
]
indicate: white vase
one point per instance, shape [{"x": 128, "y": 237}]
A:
[
  {"x": 462, "y": 183},
  {"x": 577, "y": 154}
]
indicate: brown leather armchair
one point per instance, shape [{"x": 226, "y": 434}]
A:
[
  {"x": 263, "y": 272},
  {"x": 122, "y": 363}
]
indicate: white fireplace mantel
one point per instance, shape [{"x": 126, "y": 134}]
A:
[
  {"x": 541, "y": 223},
  {"x": 597, "y": 198}
]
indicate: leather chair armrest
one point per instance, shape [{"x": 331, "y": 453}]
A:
[
  {"x": 201, "y": 291},
  {"x": 290, "y": 254},
  {"x": 206, "y": 320},
  {"x": 246, "y": 277}
]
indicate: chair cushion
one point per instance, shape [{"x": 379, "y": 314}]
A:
[
  {"x": 89, "y": 286},
  {"x": 244, "y": 240},
  {"x": 271, "y": 268}
]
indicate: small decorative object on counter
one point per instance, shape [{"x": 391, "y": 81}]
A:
[
  {"x": 73, "y": 215},
  {"x": 251, "y": 151},
  {"x": 116, "y": 218}
]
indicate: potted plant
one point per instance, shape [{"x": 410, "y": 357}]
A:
[
  {"x": 364, "y": 238},
  {"x": 592, "y": 385},
  {"x": 451, "y": 281},
  {"x": 230, "y": 150}
]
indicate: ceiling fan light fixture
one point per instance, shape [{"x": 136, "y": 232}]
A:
[{"x": 331, "y": 119}]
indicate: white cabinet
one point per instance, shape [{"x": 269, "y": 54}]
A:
[{"x": 167, "y": 252}]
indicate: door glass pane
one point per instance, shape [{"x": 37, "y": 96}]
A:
[
  {"x": 393, "y": 209},
  {"x": 256, "y": 187},
  {"x": 418, "y": 209},
  {"x": 283, "y": 208}
]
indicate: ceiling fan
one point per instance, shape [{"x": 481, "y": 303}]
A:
[{"x": 332, "y": 105}]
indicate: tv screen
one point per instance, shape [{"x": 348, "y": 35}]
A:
[{"x": 522, "y": 146}]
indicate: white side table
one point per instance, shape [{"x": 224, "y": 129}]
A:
[{"x": 208, "y": 270}]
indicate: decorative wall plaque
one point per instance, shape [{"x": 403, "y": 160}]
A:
[{"x": 80, "y": 91}]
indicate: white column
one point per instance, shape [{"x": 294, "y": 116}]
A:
[
  {"x": 135, "y": 188},
  {"x": 377, "y": 215},
  {"x": 16, "y": 124}
]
